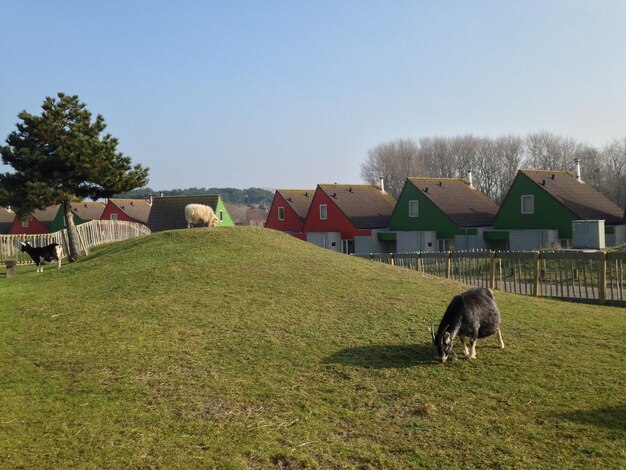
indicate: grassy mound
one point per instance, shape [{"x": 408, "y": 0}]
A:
[{"x": 246, "y": 348}]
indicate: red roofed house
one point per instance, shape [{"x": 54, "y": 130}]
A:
[
  {"x": 129, "y": 210},
  {"x": 39, "y": 222},
  {"x": 289, "y": 210},
  {"x": 345, "y": 217}
]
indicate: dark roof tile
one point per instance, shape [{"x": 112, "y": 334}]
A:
[
  {"x": 466, "y": 206},
  {"x": 364, "y": 204},
  {"x": 579, "y": 197}
]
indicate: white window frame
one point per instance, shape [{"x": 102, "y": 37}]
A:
[
  {"x": 221, "y": 216},
  {"x": 414, "y": 204},
  {"x": 25, "y": 223},
  {"x": 443, "y": 245},
  {"x": 323, "y": 212},
  {"x": 530, "y": 197},
  {"x": 114, "y": 216},
  {"x": 281, "y": 213}
]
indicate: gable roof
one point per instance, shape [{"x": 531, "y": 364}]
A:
[
  {"x": 364, "y": 204},
  {"x": 298, "y": 199},
  {"x": 577, "y": 196},
  {"x": 6, "y": 220},
  {"x": 88, "y": 210},
  {"x": 47, "y": 216},
  {"x": 136, "y": 209},
  {"x": 168, "y": 213},
  {"x": 465, "y": 205}
]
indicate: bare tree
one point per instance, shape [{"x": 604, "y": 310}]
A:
[
  {"x": 495, "y": 162},
  {"x": 394, "y": 161}
]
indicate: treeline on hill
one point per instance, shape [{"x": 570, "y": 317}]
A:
[
  {"x": 250, "y": 197},
  {"x": 494, "y": 162}
]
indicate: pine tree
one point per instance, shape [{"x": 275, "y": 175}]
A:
[{"x": 61, "y": 156}]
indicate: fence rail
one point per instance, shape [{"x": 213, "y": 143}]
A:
[
  {"x": 90, "y": 234},
  {"x": 589, "y": 276}
]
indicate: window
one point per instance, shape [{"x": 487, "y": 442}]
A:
[
  {"x": 323, "y": 212},
  {"x": 221, "y": 216},
  {"x": 528, "y": 204},
  {"x": 442, "y": 245},
  {"x": 347, "y": 246},
  {"x": 113, "y": 216},
  {"x": 414, "y": 210},
  {"x": 25, "y": 223},
  {"x": 281, "y": 213}
]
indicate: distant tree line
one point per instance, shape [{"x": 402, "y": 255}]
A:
[
  {"x": 249, "y": 197},
  {"x": 494, "y": 162}
]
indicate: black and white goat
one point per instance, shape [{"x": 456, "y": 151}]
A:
[
  {"x": 44, "y": 254},
  {"x": 473, "y": 314}
]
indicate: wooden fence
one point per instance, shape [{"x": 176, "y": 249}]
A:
[
  {"x": 96, "y": 232},
  {"x": 588, "y": 276}
]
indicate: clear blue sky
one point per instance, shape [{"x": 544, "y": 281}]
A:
[{"x": 293, "y": 93}]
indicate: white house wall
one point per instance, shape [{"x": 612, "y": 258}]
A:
[
  {"x": 410, "y": 242},
  {"x": 529, "y": 240},
  {"x": 471, "y": 242},
  {"x": 329, "y": 240}
]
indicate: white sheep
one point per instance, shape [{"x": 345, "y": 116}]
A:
[{"x": 200, "y": 214}]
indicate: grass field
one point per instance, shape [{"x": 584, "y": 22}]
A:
[{"x": 246, "y": 348}]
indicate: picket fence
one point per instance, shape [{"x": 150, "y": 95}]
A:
[
  {"x": 90, "y": 234},
  {"x": 584, "y": 276}
]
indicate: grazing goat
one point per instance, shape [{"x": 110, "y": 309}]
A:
[
  {"x": 200, "y": 214},
  {"x": 44, "y": 254},
  {"x": 472, "y": 314}
]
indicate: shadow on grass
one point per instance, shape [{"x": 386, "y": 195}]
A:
[
  {"x": 612, "y": 417},
  {"x": 385, "y": 356}
]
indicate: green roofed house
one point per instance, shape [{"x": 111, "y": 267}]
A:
[
  {"x": 168, "y": 213},
  {"x": 84, "y": 211},
  {"x": 548, "y": 209},
  {"x": 441, "y": 214}
]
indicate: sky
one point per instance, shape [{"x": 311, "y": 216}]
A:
[{"x": 291, "y": 94}]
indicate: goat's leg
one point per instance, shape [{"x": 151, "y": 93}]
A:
[
  {"x": 499, "y": 333},
  {"x": 472, "y": 347},
  {"x": 464, "y": 344}
]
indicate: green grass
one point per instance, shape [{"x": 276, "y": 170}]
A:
[{"x": 246, "y": 348}]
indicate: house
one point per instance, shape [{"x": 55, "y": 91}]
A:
[
  {"x": 7, "y": 216},
  {"x": 83, "y": 211},
  {"x": 539, "y": 209},
  {"x": 41, "y": 221},
  {"x": 345, "y": 217},
  {"x": 289, "y": 210},
  {"x": 168, "y": 212},
  {"x": 129, "y": 210},
  {"x": 440, "y": 214}
]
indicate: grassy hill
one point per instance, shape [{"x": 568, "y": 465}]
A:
[{"x": 246, "y": 348}]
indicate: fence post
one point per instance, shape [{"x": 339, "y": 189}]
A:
[
  {"x": 392, "y": 259},
  {"x": 537, "y": 284},
  {"x": 449, "y": 265},
  {"x": 418, "y": 258},
  {"x": 492, "y": 270},
  {"x": 602, "y": 278}
]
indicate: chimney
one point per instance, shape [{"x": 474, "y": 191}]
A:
[
  {"x": 577, "y": 163},
  {"x": 161, "y": 194},
  {"x": 469, "y": 179},
  {"x": 382, "y": 184},
  {"x": 150, "y": 199}
]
